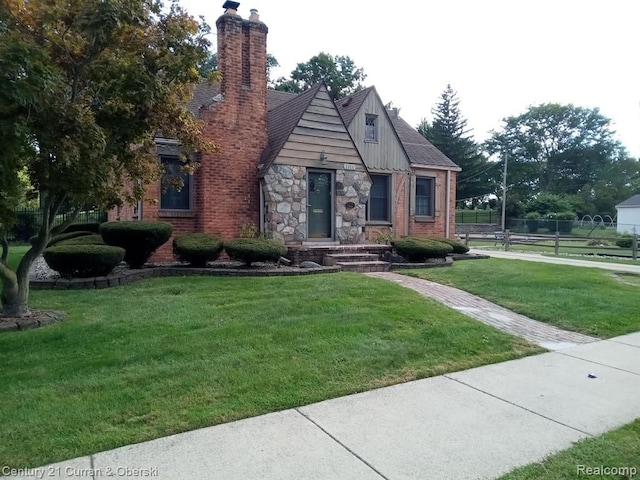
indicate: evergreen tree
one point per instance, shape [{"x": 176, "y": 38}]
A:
[{"x": 449, "y": 133}]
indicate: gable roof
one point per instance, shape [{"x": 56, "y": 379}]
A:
[
  {"x": 349, "y": 106},
  {"x": 281, "y": 121},
  {"x": 633, "y": 201},
  {"x": 419, "y": 150},
  {"x": 285, "y": 109}
]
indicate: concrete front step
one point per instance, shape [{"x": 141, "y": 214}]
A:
[
  {"x": 364, "y": 267},
  {"x": 330, "y": 259}
]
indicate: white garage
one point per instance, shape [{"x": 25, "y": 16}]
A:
[{"x": 629, "y": 215}]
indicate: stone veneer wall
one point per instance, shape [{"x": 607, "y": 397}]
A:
[
  {"x": 285, "y": 198},
  {"x": 351, "y": 187},
  {"x": 285, "y": 195}
]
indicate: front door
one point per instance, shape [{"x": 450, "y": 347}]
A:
[{"x": 319, "y": 204}]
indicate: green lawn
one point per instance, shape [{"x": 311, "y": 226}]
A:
[
  {"x": 591, "y": 301},
  {"x": 567, "y": 249},
  {"x": 168, "y": 355},
  {"x": 16, "y": 252},
  {"x": 618, "y": 448}
]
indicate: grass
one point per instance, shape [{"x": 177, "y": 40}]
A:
[
  {"x": 618, "y": 448},
  {"x": 168, "y": 355},
  {"x": 591, "y": 301},
  {"x": 16, "y": 252},
  {"x": 567, "y": 249}
]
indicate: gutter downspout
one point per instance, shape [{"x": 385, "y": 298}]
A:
[{"x": 447, "y": 227}]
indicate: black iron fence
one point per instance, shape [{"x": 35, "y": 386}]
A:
[
  {"x": 28, "y": 221},
  {"x": 478, "y": 216}
]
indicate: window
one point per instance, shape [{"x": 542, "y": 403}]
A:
[
  {"x": 379, "y": 199},
  {"x": 370, "y": 128},
  {"x": 424, "y": 196},
  {"x": 170, "y": 197}
]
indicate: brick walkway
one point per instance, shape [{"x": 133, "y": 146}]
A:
[{"x": 546, "y": 336}]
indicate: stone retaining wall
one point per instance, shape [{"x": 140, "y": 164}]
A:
[{"x": 135, "y": 275}]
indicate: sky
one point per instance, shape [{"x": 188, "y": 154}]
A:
[{"x": 501, "y": 56}]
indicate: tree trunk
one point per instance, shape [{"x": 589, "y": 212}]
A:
[{"x": 15, "y": 285}]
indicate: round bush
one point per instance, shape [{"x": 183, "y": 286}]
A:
[
  {"x": 94, "y": 239},
  {"x": 139, "y": 239},
  {"x": 249, "y": 250},
  {"x": 420, "y": 249},
  {"x": 93, "y": 227},
  {"x": 83, "y": 260},
  {"x": 624, "y": 242},
  {"x": 197, "y": 248},
  {"x": 458, "y": 247}
]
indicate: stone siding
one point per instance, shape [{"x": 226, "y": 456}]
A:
[{"x": 285, "y": 196}]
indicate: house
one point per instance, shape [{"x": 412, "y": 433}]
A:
[
  {"x": 628, "y": 217},
  {"x": 300, "y": 167}
]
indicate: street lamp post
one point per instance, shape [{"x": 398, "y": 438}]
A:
[{"x": 504, "y": 195}]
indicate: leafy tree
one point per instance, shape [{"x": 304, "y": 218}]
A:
[
  {"x": 449, "y": 133},
  {"x": 339, "y": 73},
  {"x": 546, "y": 203},
  {"x": 621, "y": 182},
  {"x": 560, "y": 149},
  {"x": 210, "y": 64},
  {"x": 84, "y": 87}
]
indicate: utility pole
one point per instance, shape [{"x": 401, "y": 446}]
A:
[{"x": 504, "y": 195}]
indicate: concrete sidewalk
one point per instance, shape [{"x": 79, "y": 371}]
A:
[
  {"x": 478, "y": 423},
  {"x": 576, "y": 262}
]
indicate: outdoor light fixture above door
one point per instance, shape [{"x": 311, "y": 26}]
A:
[{"x": 323, "y": 158}]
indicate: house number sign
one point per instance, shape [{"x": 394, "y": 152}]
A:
[
  {"x": 349, "y": 166},
  {"x": 349, "y": 205}
]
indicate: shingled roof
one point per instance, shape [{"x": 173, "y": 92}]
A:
[
  {"x": 631, "y": 202},
  {"x": 349, "y": 106},
  {"x": 419, "y": 150},
  {"x": 281, "y": 121},
  {"x": 204, "y": 93},
  {"x": 285, "y": 109}
]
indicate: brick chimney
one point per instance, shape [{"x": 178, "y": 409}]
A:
[{"x": 237, "y": 123}]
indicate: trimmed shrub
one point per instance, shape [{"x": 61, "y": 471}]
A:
[
  {"x": 625, "y": 241},
  {"x": 197, "y": 248},
  {"x": 139, "y": 239},
  {"x": 83, "y": 260},
  {"x": 458, "y": 247},
  {"x": 533, "y": 221},
  {"x": 93, "y": 227},
  {"x": 60, "y": 238},
  {"x": 94, "y": 239},
  {"x": 250, "y": 250},
  {"x": 420, "y": 249},
  {"x": 564, "y": 221}
]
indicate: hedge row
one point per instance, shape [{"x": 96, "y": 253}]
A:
[{"x": 199, "y": 248}]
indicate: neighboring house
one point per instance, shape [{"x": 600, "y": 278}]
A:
[
  {"x": 628, "y": 218},
  {"x": 302, "y": 168}
]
